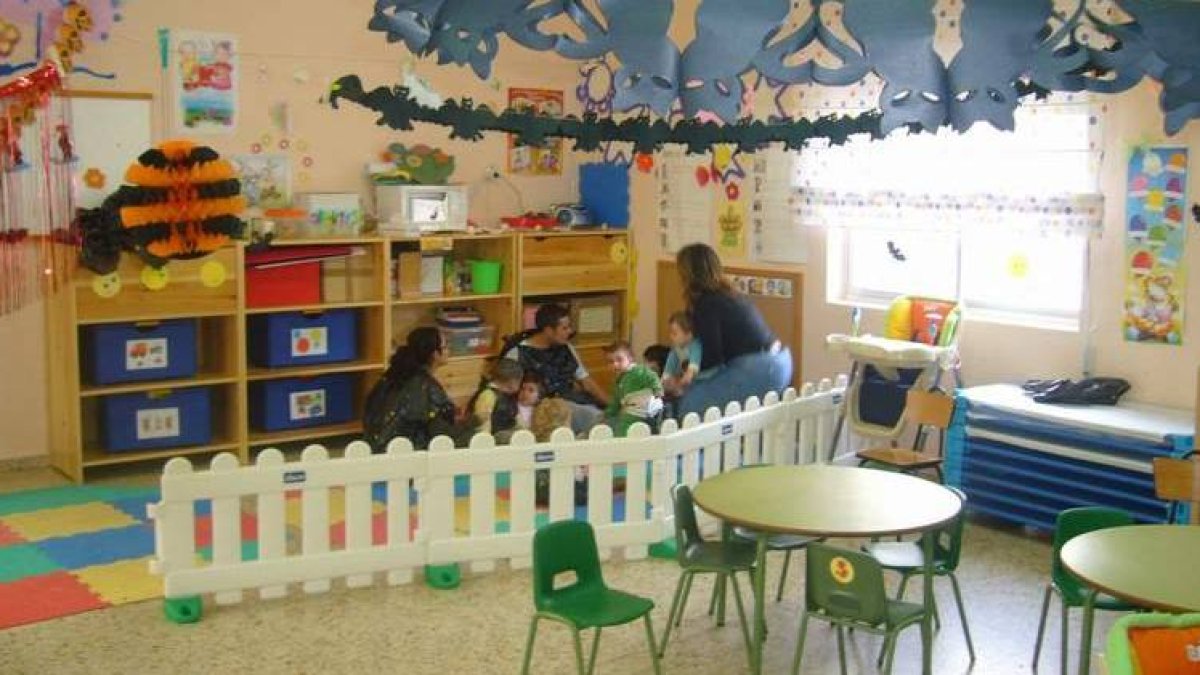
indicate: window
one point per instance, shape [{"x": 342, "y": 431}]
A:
[{"x": 998, "y": 220}]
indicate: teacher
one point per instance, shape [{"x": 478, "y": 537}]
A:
[{"x": 740, "y": 355}]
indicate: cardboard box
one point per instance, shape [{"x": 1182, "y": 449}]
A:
[{"x": 409, "y": 274}]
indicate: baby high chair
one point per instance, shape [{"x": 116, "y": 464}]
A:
[{"x": 919, "y": 345}]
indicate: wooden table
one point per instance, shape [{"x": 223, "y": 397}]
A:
[
  {"x": 828, "y": 501},
  {"x": 1151, "y": 566}
]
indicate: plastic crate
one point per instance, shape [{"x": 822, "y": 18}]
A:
[
  {"x": 303, "y": 338},
  {"x": 295, "y": 403},
  {"x": 157, "y": 419},
  {"x": 469, "y": 341},
  {"x": 131, "y": 352}
]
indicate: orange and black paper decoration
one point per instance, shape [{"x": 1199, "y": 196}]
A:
[{"x": 184, "y": 202}]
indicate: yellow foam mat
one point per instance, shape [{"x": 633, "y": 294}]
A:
[
  {"x": 65, "y": 521},
  {"x": 122, "y": 582}
]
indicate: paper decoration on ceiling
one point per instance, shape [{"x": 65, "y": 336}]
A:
[
  {"x": 1008, "y": 47},
  {"x": 1163, "y": 43},
  {"x": 398, "y": 111},
  {"x": 183, "y": 203}
]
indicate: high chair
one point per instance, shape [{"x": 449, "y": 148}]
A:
[{"x": 919, "y": 346}]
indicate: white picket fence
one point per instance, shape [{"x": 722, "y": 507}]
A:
[{"x": 793, "y": 430}]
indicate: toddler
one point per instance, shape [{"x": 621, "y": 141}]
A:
[
  {"x": 683, "y": 363},
  {"x": 655, "y": 358},
  {"x": 637, "y": 394},
  {"x": 531, "y": 393},
  {"x": 495, "y": 408}
]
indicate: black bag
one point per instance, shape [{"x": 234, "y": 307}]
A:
[{"x": 1093, "y": 390}]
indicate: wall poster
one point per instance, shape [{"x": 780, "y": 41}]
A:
[
  {"x": 544, "y": 160},
  {"x": 1155, "y": 237},
  {"x": 204, "y": 81}
]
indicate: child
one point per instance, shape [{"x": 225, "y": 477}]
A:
[
  {"x": 683, "y": 363},
  {"x": 548, "y": 415},
  {"x": 531, "y": 393},
  {"x": 637, "y": 394},
  {"x": 494, "y": 407},
  {"x": 655, "y": 358}
]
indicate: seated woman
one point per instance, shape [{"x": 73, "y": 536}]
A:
[
  {"x": 408, "y": 401},
  {"x": 742, "y": 353}
]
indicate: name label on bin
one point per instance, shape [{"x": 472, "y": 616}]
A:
[
  {"x": 726, "y": 429},
  {"x": 290, "y": 477},
  {"x": 543, "y": 456}
]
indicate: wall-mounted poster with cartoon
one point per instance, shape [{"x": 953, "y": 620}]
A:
[
  {"x": 543, "y": 160},
  {"x": 205, "y": 82},
  {"x": 266, "y": 179},
  {"x": 1155, "y": 239}
]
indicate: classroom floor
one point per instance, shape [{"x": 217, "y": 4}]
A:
[{"x": 481, "y": 627}]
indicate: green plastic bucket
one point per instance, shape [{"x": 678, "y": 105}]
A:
[{"x": 485, "y": 276}]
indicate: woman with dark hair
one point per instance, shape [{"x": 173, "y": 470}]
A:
[
  {"x": 408, "y": 401},
  {"x": 745, "y": 358}
]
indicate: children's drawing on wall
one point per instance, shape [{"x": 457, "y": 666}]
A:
[
  {"x": 205, "y": 81},
  {"x": 1155, "y": 238},
  {"x": 543, "y": 160},
  {"x": 731, "y": 223},
  {"x": 266, "y": 179}
]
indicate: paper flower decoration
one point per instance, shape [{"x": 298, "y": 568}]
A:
[
  {"x": 10, "y": 35},
  {"x": 94, "y": 178}
]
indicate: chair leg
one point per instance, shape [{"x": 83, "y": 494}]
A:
[
  {"x": 888, "y": 652},
  {"x": 1037, "y": 646},
  {"x": 903, "y": 585},
  {"x": 802, "y": 633},
  {"x": 723, "y": 580},
  {"x": 578, "y": 651},
  {"x": 741, "y": 610},
  {"x": 787, "y": 559},
  {"x": 962, "y": 615},
  {"x": 675, "y": 601},
  {"x": 595, "y": 650},
  {"x": 841, "y": 640},
  {"x": 687, "y": 590},
  {"x": 529, "y": 645},
  {"x": 650, "y": 641},
  {"x": 712, "y": 599},
  {"x": 1066, "y": 633}
]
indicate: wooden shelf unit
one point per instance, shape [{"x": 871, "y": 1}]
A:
[{"x": 535, "y": 265}]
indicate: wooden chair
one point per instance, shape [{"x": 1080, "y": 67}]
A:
[
  {"x": 1178, "y": 481},
  {"x": 925, "y": 409}
]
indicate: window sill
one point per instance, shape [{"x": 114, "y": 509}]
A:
[{"x": 976, "y": 315}]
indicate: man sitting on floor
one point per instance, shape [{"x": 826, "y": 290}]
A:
[{"x": 547, "y": 351}]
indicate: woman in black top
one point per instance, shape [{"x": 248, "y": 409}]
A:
[
  {"x": 740, "y": 356},
  {"x": 409, "y": 401}
]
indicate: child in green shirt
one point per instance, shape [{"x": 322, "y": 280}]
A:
[{"x": 637, "y": 394}]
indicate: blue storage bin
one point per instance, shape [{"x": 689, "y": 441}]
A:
[
  {"x": 303, "y": 338},
  {"x": 299, "y": 402},
  {"x": 131, "y": 352},
  {"x": 157, "y": 419}
]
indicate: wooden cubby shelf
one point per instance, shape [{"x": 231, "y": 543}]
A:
[{"x": 534, "y": 265}]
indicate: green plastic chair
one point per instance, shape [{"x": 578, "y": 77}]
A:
[
  {"x": 697, "y": 556},
  {"x": 569, "y": 546},
  {"x": 846, "y": 589},
  {"x": 907, "y": 558},
  {"x": 1070, "y": 524},
  {"x": 1123, "y": 658},
  {"x": 788, "y": 543}
]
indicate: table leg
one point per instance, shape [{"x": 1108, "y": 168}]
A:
[
  {"x": 1085, "y": 643},
  {"x": 760, "y": 576},
  {"x": 927, "y": 621}
]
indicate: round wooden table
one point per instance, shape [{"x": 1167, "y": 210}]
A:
[
  {"x": 828, "y": 501},
  {"x": 1151, "y": 566}
]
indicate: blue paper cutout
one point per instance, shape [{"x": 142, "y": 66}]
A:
[
  {"x": 897, "y": 39},
  {"x": 604, "y": 190},
  {"x": 1010, "y": 47}
]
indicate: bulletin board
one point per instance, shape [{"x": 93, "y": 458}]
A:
[
  {"x": 110, "y": 130},
  {"x": 777, "y": 292}
]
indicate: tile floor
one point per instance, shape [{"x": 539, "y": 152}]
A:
[{"x": 480, "y": 628}]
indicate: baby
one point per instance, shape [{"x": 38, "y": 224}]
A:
[
  {"x": 655, "y": 358},
  {"x": 637, "y": 394},
  {"x": 531, "y": 393},
  {"x": 683, "y": 363}
]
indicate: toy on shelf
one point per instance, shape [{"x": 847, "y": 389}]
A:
[{"x": 531, "y": 221}]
